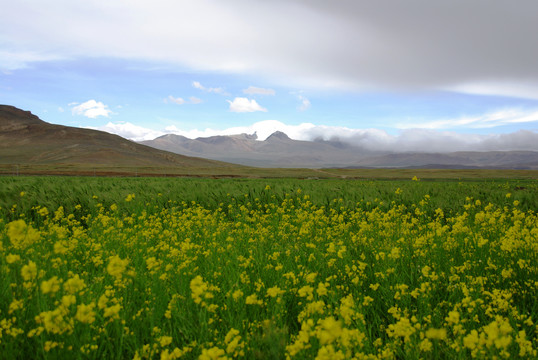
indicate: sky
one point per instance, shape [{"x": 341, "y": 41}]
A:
[{"x": 416, "y": 75}]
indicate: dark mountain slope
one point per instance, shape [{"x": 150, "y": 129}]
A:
[{"x": 24, "y": 138}]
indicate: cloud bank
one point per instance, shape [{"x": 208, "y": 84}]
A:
[{"x": 485, "y": 47}]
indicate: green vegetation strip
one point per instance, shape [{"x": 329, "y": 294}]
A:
[{"x": 165, "y": 268}]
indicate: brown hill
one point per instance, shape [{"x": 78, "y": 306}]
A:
[{"x": 26, "y": 139}]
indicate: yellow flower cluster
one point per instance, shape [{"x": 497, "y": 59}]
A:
[{"x": 272, "y": 278}]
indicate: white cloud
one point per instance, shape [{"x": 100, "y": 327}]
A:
[
  {"x": 197, "y": 85},
  {"x": 241, "y": 104},
  {"x": 129, "y": 131},
  {"x": 498, "y": 88},
  {"x": 305, "y": 103},
  {"x": 221, "y": 91},
  {"x": 20, "y": 59},
  {"x": 180, "y": 101},
  {"x": 252, "y": 90},
  {"x": 195, "y": 100},
  {"x": 91, "y": 109},
  {"x": 488, "y": 120}
]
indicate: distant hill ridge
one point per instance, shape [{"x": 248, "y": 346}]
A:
[
  {"x": 279, "y": 150},
  {"x": 24, "y": 138}
]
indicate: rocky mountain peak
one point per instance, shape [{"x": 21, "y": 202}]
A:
[
  {"x": 278, "y": 135},
  {"x": 12, "y": 118}
]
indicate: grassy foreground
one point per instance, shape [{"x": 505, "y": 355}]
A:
[{"x": 214, "y": 269}]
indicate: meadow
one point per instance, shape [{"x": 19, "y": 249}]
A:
[{"x": 169, "y": 268}]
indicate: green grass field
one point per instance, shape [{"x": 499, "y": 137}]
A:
[{"x": 167, "y": 268}]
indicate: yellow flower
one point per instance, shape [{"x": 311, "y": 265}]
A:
[
  {"x": 102, "y": 302},
  {"x": 29, "y": 272},
  {"x": 306, "y": 291},
  {"x": 367, "y": 300},
  {"x": 471, "y": 340},
  {"x": 374, "y": 286},
  {"x": 453, "y": 317},
  {"x": 21, "y": 235},
  {"x": 116, "y": 266},
  {"x": 395, "y": 253},
  {"x": 329, "y": 330},
  {"x": 112, "y": 311},
  {"x": 233, "y": 342},
  {"x": 50, "y": 286},
  {"x": 311, "y": 277},
  {"x": 439, "y": 334},
  {"x": 60, "y": 247},
  {"x": 237, "y": 294},
  {"x": 43, "y": 211},
  {"x": 85, "y": 313},
  {"x": 200, "y": 290},
  {"x": 322, "y": 289},
  {"x": 11, "y": 258},
  {"x": 425, "y": 345},
  {"x": 403, "y": 328},
  {"x": 68, "y": 300},
  {"x": 74, "y": 285},
  {"x": 253, "y": 300},
  {"x": 15, "y": 305},
  {"x": 213, "y": 353},
  {"x": 165, "y": 340},
  {"x": 274, "y": 291}
]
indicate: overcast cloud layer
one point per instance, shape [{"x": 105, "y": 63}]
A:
[
  {"x": 317, "y": 68},
  {"x": 468, "y": 46}
]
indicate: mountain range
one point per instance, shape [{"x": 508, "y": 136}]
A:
[
  {"x": 26, "y": 139},
  {"x": 278, "y": 150}
]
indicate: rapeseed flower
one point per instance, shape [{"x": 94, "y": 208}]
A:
[
  {"x": 29, "y": 271},
  {"x": 274, "y": 291},
  {"x": 50, "y": 286},
  {"x": 21, "y": 235},
  {"x": 116, "y": 266},
  {"x": 12, "y": 258},
  {"x": 85, "y": 313},
  {"x": 214, "y": 353}
]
